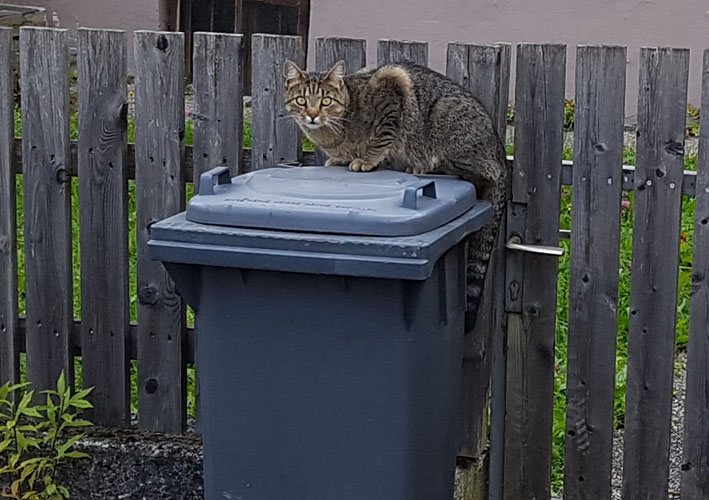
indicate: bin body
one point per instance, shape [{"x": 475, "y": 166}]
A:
[{"x": 332, "y": 383}]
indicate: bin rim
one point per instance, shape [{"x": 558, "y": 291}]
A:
[{"x": 177, "y": 240}]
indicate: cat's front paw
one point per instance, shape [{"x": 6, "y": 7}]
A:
[
  {"x": 334, "y": 162},
  {"x": 361, "y": 166}
]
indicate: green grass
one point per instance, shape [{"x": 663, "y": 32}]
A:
[{"x": 687, "y": 224}]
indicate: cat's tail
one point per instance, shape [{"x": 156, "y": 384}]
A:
[{"x": 482, "y": 243}]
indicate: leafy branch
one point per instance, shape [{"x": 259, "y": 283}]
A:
[{"x": 33, "y": 439}]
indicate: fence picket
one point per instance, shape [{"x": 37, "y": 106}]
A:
[
  {"x": 396, "y": 51},
  {"x": 536, "y": 182},
  {"x": 595, "y": 254},
  {"x": 695, "y": 459},
  {"x": 160, "y": 188},
  {"x": 662, "y": 102},
  {"x": 484, "y": 70},
  {"x": 103, "y": 214},
  {"x": 44, "y": 71},
  {"x": 218, "y": 103},
  {"x": 330, "y": 50},
  {"x": 276, "y": 137},
  {"x": 9, "y": 348}
]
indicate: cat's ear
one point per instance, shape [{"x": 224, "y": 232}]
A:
[
  {"x": 291, "y": 71},
  {"x": 336, "y": 73}
]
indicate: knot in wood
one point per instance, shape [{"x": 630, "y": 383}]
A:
[
  {"x": 151, "y": 385},
  {"x": 674, "y": 148},
  {"x": 162, "y": 43},
  {"x": 61, "y": 175},
  {"x": 4, "y": 245},
  {"x": 148, "y": 295}
]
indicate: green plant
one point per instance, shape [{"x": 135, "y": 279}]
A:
[
  {"x": 692, "y": 129},
  {"x": 569, "y": 109},
  {"x": 510, "y": 114},
  {"x": 34, "y": 440}
]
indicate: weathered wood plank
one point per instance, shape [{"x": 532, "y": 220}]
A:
[
  {"x": 103, "y": 216},
  {"x": 276, "y": 137},
  {"x": 537, "y": 182},
  {"x": 160, "y": 188},
  {"x": 695, "y": 458},
  {"x": 132, "y": 334},
  {"x": 595, "y": 254},
  {"x": 484, "y": 70},
  {"x": 218, "y": 103},
  {"x": 47, "y": 190},
  {"x": 330, "y": 50},
  {"x": 396, "y": 51},
  {"x": 9, "y": 351},
  {"x": 662, "y": 102}
]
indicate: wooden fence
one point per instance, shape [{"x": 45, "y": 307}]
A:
[{"x": 514, "y": 336}]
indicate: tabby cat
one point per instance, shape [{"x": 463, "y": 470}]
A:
[{"x": 408, "y": 118}]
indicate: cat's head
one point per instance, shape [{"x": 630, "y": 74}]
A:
[{"x": 316, "y": 100}]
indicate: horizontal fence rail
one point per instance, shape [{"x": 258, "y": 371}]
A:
[
  {"x": 310, "y": 158},
  {"x": 516, "y": 343}
]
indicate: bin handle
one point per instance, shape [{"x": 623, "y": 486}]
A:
[
  {"x": 427, "y": 188},
  {"x": 206, "y": 180}
]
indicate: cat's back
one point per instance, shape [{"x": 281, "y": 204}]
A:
[{"x": 426, "y": 85}]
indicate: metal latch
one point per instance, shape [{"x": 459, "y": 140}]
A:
[
  {"x": 515, "y": 243},
  {"x": 514, "y": 269}
]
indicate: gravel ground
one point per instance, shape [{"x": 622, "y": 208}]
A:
[{"x": 129, "y": 465}]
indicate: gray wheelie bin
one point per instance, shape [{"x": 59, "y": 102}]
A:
[{"x": 329, "y": 314}]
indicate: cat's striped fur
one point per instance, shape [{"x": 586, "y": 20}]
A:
[{"x": 409, "y": 118}]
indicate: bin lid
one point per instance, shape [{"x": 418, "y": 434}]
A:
[{"x": 330, "y": 200}]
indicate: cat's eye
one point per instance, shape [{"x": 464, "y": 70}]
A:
[
  {"x": 300, "y": 101},
  {"x": 326, "y": 101}
]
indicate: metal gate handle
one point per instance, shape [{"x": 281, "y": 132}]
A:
[{"x": 515, "y": 243}]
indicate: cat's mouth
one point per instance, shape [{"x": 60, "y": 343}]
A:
[{"x": 312, "y": 125}]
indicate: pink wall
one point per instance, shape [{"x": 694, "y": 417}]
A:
[
  {"x": 632, "y": 23},
  {"x": 117, "y": 14},
  {"x": 126, "y": 15}
]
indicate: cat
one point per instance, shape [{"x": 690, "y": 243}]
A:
[{"x": 410, "y": 118}]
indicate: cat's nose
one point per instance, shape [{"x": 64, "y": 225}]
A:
[{"x": 313, "y": 117}]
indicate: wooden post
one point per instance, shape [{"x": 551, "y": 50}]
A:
[
  {"x": 330, "y": 50},
  {"x": 484, "y": 70},
  {"x": 395, "y": 51},
  {"x": 695, "y": 458},
  {"x": 218, "y": 103},
  {"x": 595, "y": 258},
  {"x": 44, "y": 70},
  {"x": 662, "y": 107},
  {"x": 160, "y": 188},
  {"x": 9, "y": 348},
  {"x": 536, "y": 184},
  {"x": 103, "y": 201},
  {"x": 276, "y": 137}
]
